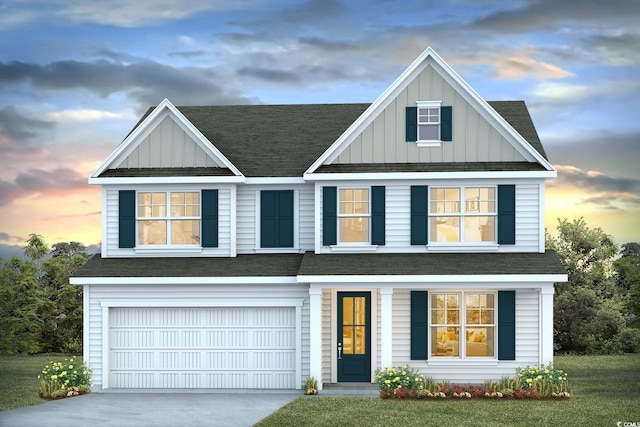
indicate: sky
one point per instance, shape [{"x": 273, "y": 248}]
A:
[{"x": 76, "y": 75}]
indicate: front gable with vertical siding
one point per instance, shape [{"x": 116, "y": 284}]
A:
[{"x": 477, "y": 133}]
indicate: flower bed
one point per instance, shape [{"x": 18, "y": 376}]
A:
[
  {"x": 529, "y": 383},
  {"x": 64, "y": 379}
]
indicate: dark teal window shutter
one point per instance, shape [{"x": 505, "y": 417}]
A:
[
  {"x": 507, "y": 214},
  {"x": 446, "y": 124},
  {"x": 209, "y": 218},
  {"x": 329, "y": 216},
  {"x": 412, "y": 124},
  {"x": 377, "y": 215},
  {"x": 126, "y": 219},
  {"x": 276, "y": 219},
  {"x": 419, "y": 214},
  {"x": 507, "y": 325},
  {"x": 419, "y": 325}
]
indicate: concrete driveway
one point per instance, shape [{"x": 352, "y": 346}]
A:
[{"x": 151, "y": 409}]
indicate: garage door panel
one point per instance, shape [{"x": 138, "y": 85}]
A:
[{"x": 202, "y": 347}]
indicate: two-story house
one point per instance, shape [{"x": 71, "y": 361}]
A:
[{"x": 253, "y": 246}]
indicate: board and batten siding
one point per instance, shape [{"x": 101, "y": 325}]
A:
[
  {"x": 398, "y": 216},
  {"x": 159, "y": 295},
  {"x": 474, "y": 139},
  {"x": 248, "y": 216},
  {"x": 527, "y": 343},
  {"x": 110, "y": 222},
  {"x": 167, "y": 146}
]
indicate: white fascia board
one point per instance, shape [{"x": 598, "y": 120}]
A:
[
  {"x": 490, "y": 279},
  {"x": 157, "y": 115},
  {"x": 217, "y": 280},
  {"x": 199, "y": 302},
  {"x": 276, "y": 180},
  {"x": 394, "y": 176},
  {"x": 167, "y": 180}
]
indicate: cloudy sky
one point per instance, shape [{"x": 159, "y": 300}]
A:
[{"x": 75, "y": 76}]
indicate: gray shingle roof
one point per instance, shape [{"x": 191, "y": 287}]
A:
[
  {"x": 259, "y": 265},
  {"x": 160, "y": 172},
  {"x": 431, "y": 264},
  {"x": 282, "y": 265},
  {"x": 431, "y": 167},
  {"x": 284, "y": 140}
]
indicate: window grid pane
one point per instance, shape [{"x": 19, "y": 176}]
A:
[
  {"x": 157, "y": 218},
  {"x": 353, "y": 215},
  {"x": 462, "y": 214},
  {"x": 478, "y": 330}
]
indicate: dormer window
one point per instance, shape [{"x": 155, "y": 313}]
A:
[{"x": 429, "y": 123}]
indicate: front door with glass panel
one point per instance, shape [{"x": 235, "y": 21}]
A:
[{"x": 354, "y": 337}]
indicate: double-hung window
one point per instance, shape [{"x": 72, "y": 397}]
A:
[
  {"x": 429, "y": 121},
  {"x": 462, "y": 324},
  {"x": 168, "y": 218},
  {"x": 462, "y": 214},
  {"x": 353, "y": 215}
]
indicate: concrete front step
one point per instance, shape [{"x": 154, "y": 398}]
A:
[{"x": 349, "y": 389}]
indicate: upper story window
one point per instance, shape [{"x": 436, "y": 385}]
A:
[
  {"x": 429, "y": 121},
  {"x": 353, "y": 215},
  {"x": 462, "y": 214},
  {"x": 168, "y": 218},
  {"x": 462, "y": 324}
]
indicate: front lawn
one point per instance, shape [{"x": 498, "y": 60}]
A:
[
  {"x": 19, "y": 383},
  {"x": 605, "y": 391}
]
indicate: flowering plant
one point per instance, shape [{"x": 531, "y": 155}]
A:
[
  {"x": 402, "y": 382},
  {"x": 546, "y": 380},
  {"x": 63, "y": 376}
]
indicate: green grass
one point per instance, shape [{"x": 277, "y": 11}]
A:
[
  {"x": 19, "y": 383},
  {"x": 605, "y": 389}
]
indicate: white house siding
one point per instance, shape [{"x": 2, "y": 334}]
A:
[
  {"x": 398, "y": 215},
  {"x": 247, "y": 240},
  {"x": 327, "y": 343},
  {"x": 159, "y": 296},
  {"x": 166, "y": 146},
  {"x": 474, "y": 139},
  {"x": 110, "y": 221},
  {"x": 527, "y": 343},
  {"x": 248, "y": 216}
]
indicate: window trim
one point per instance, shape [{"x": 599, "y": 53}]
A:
[
  {"x": 462, "y": 325},
  {"x": 462, "y": 215},
  {"x": 428, "y": 142},
  {"x": 339, "y": 215},
  {"x": 140, "y": 247}
]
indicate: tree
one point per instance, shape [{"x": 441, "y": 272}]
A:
[
  {"x": 39, "y": 309},
  {"x": 20, "y": 327},
  {"x": 589, "y": 310},
  {"x": 628, "y": 271},
  {"x": 60, "y": 307}
]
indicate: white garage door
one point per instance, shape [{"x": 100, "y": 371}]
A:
[{"x": 202, "y": 347}]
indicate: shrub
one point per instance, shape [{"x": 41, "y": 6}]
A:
[
  {"x": 60, "y": 376},
  {"x": 546, "y": 381},
  {"x": 402, "y": 382},
  {"x": 311, "y": 386}
]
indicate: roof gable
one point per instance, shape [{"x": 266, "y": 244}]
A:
[
  {"x": 429, "y": 78},
  {"x": 164, "y": 140}
]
